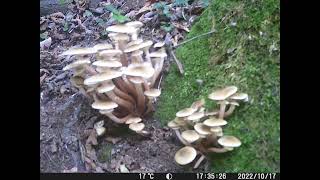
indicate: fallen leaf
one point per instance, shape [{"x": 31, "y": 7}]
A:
[
  {"x": 45, "y": 44},
  {"x": 123, "y": 169},
  {"x": 180, "y": 26},
  {"x": 145, "y": 8}
]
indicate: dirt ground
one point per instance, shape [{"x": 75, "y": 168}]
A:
[{"x": 66, "y": 116}]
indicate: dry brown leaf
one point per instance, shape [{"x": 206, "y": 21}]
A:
[
  {"x": 180, "y": 26},
  {"x": 92, "y": 139},
  {"x": 145, "y": 8}
]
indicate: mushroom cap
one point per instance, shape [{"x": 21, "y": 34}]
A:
[
  {"x": 216, "y": 129},
  {"x": 136, "y": 126},
  {"x": 159, "y": 54},
  {"x": 229, "y": 141},
  {"x": 134, "y": 42},
  {"x": 120, "y": 37},
  {"x": 185, "y": 112},
  {"x": 234, "y": 103},
  {"x": 77, "y": 81},
  {"x": 77, "y": 63},
  {"x": 198, "y": 104},
  {"x": 133, "y": 120},
  {"x": 135, "y": 24},
  {"x": 180, "y": 121},
  {"x": 102, "y": 46},
  {"x": 223, "y": 94},
  {"x": 103, "y": 63},
  {"x": 185, "y": 155},
  {"x": 108, "y": 75},
  {"x": 120, "y": 28},
  {"x": 239, "y": 96},
  {"x": 137, "y": 53},
  {"x": 104, "y": 105},
  {"x": 202, "y": 129},
  {"x": 100, "y": 131},
  {"x": 135, "y": 79},
  {"x": 144, "y": 70},
  {"x": 212, "y": 122},
  {"x": 105, "y": 111},
  {"x": 195, "y": 116},
  {"x": 152, "y": 92},
  {"x": 219, "y": 134},
  {"x": 228, "y": 148},
  {"x": 110, "y": 52},
  {"x": 138, "y": 46},
  {"x": 79, "y": 51},
  {"x": 106, "y": 87},
  {"x": 173, "y": 125},
  {"x": 102, "y": 69},
  {"x": 159, "y": 44},
  {"x": 190, "y": 135}
]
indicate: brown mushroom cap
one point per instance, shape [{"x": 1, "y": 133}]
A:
[
  {"x": 202, "y": 129},
  {"x": 190, "y": 135},
  {"x": 185, "y": 112},
  {"x": 135, "y": 79},
  {"x": 77, "y": 81},
  {"x": 79, "y": 51},
  {"x": 104, "y": 105},
  {"x": 120, "y": 28},
  {"x": 77, "y": 63},
  {"x": 108, "y": 75},
  {"x": 144, "y": 70},
  {"x": 180, "y": 121},
  {"x": 229, "y": 141},
  {"x": 196, "y": 116},
  {"x": 106, "y": 87},
  {"x": 223, "y": 94},
  {"x": 133, "y": 120},
  {"x": 239, "y": 96},
  {"x": 185, "y": 155},
  {"x": 138, "y": 46},
  {"x": 152, "y": 92},
  {"x": 212, "y": 122},
  {"x": 136, "y": 126},
  {"x": 173, "y": 125},
  {"x": 102, "y": 63}
]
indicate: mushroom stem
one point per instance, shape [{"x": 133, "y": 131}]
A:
[
  {"x": 118, "y": 120},
  {"x": 217, "y": 150},
  {"x": 212, "y": 138},
  {"x": 120, "y": 84},
  {"x": 123, "y": 95},
  {"x": 149, "y": 106},
  {"x": 146, "y": 52},
  {"x": 140, "y": 98},
  {"x": 222, "y": 109},
  {"x": 196, "y": 165},
  {"x": 158, "y": 68},
  {"x": 230, "y": 110},
  {"x": 120, "y": 101},
  {"x": 180, "y": 137},
  {"x": 146, "y": 85},
  {"x": 130, "y": 86},
  {"x": 211, "y": 113}
]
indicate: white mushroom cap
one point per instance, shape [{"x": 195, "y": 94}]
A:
[
  {"x": 110, "y": 74},
  {"x": 185, "y": 155},
  {"x": 195, "y": 116},
  {"x": 239, "y": 96},
  {"x": 103, "y": 63},
  {"x": 159, "y": 54},
  {"x": 219, "y": 134},
  {"x": 223, "y": 94},
  {"x": 135, "y": 79},
  {"x": 179, "y": 121},
  {"x": 104, "y": 105},
  {"x": 202, "y": 129},
  {"x": 212, "y": 122},
  {"x": 79, "y": 51},
  {"x": 133, "y": 120},
  {"x": 152, "y": 92},
  {"x": 102, "y": 46},
  {"x": 135, "y": 24},
  {"x": 159, "y": 44},
  {"x": 120, "y": 28},
  {"x": 173, "y": 125},
  {"x": 77, "y": 63},
  {"x": 134, "y": 42},
  {"x": 185, "y": 112},
  {"x": 216, "y": 129},
  {"x": 229, "y": 141},
  {"x": 144, "y": 70},
  {"x": 190, "y": 135},
  {"x": 120, "y": 37},
  {"x": 138, "y": 46},
  {"x": 110, "y": 52},
  {"x": 105, "y": 111},
  {"x": 106, "y": 87},
  {"x": 136, "y": 126}
]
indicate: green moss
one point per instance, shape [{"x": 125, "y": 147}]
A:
[
  {"x": 104, "y": 153},
  {"x": 229, "y": 57}
]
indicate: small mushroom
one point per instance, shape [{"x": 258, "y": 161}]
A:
[
  {"x": 137, "y": 127},
  {"x": 202, "y": 129},
  {"x": 151, "y": 94},
  {"x": 102, "y": 46},
  {"x": 133, "y": 120},
  {"x": 229, "y": 141},
  {"x": 79, "y": 51},
  {"x": 213, "y": 122},
  {"x": 232, "y": 107},
  {"x": 100, "y": 130},
  {"x": 102, "y": 77},
  {"x": 196, "y": 116},
  {"x": 190, "y": 136},
  {"x": 185, "y": 155},
  {"x": 185, "y": 112}
]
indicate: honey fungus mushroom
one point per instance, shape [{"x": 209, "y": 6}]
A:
[{"x": 185, "y": 155}]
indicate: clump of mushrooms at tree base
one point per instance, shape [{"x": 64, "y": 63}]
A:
[
  {"x": 201, "y": 131},
  {"x": 119, "y": 76}
]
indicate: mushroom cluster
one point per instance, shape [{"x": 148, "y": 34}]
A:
[
  {"x": 119, "y": 76},
  {"x": 201, "y": 131}
]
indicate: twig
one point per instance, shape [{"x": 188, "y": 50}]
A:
[
  {"x": 179, "y": 64},
  {"x": 204, "y": 34}
]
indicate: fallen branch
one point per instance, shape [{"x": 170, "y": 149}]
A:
[
  {"x": 179, "y": 64},
  {"x": 193, "y": 38}
]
